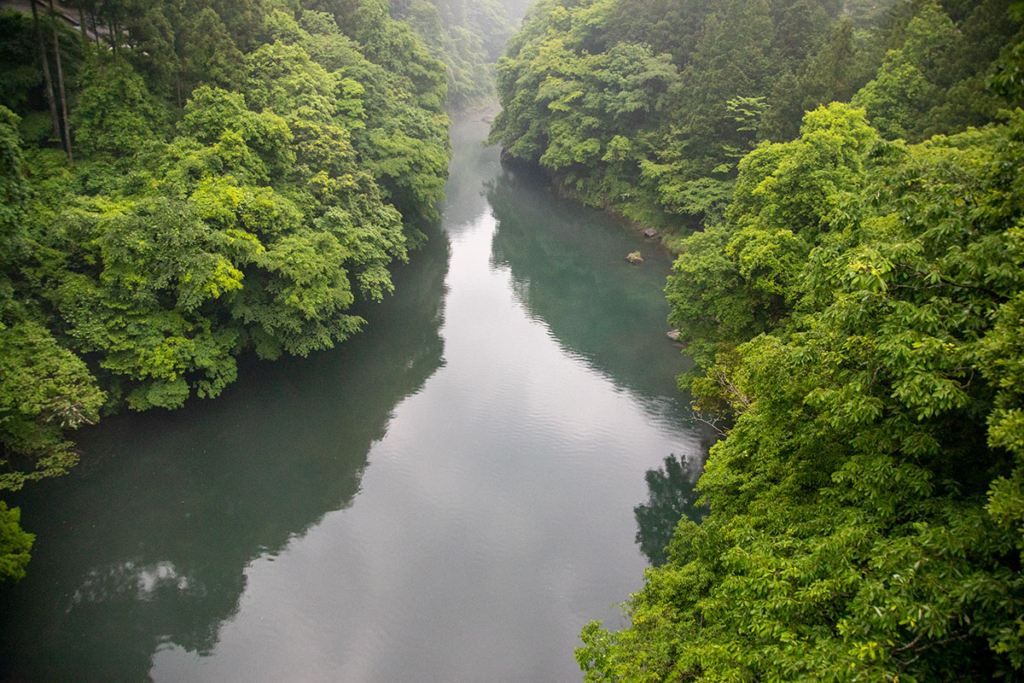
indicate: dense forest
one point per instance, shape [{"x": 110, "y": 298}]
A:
[
  {"x": 182, "y": 182},
  {"x": 647, "y": 107},
  {"x": 842, "y": 184}
]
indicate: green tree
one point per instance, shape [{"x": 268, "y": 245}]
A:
[
  {"x": 208, "y": 55},
  {"x": 14, "y": 189},
  {"x": 15, "y": 544},
  {"x": 153, "y": 47},
  {"x": 115, "y": 113},
  {"x": 283, "y": 79},
  {"x": 159, "y": 267},
  {"x": 44, "y": 389},
  {"x": 865, "y": 504}
]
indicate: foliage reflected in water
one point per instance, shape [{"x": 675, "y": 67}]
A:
[
  {"x": 208, "y": 490},
  {"x": 573, "y": 276},
  {"x": 671, "y": 497}
]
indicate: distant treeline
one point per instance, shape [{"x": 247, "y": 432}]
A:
[
  {"x": 843, "y": 184},
  {"x": 467, "y": 35},
  {"x": 183, "y": 181},
  {"x": 648, "y": 106}
]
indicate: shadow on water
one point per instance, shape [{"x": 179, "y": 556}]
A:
[
  {"x": 207, "y": 490},
  {"x": 573, "y": 275}
]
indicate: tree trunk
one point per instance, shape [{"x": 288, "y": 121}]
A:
[
  {"x": 60, "y": 84},
  {"x": 100, "y": 45},
  {"x": 47, "y": 78},
  {"x": 82, "y": 28}
]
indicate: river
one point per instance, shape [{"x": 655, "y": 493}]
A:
[{"x": 449, "y": 496}]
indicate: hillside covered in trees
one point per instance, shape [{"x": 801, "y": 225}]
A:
[
  {"x": 181, "y": 182},
  {"x": 467, "y": 35},
  {"x": 647, "y": 107},
  {"x": 842, "y": 184}
]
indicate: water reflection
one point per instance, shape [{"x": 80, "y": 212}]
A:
[
  {"x": 572, "y": 274},
  {"x": 147, "y": 544},
  {"x": 489, "y": 516},
  {"x": 471, "y": 167},
  {"x": 131, "y": 580},
  {"x": 670, "y": 498}
]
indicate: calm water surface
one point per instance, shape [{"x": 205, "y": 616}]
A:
[{"x": 447, "y": 497}]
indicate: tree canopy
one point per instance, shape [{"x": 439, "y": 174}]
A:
[
  {"x": 865, "y": 507},
  {"x": 647, "y": 106}
]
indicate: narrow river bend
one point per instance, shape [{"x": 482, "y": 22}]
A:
[{"x": 449, "y": 496}]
